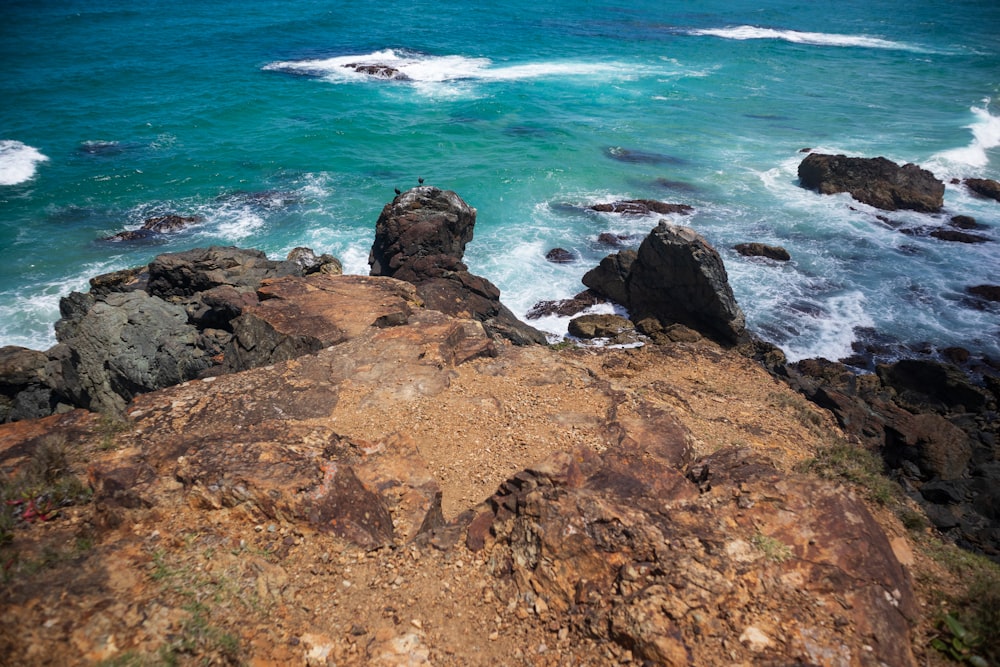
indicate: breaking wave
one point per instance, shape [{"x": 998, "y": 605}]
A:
[
  {"x": 744, "y": 32},
  {"x": 17, "y": 162}
]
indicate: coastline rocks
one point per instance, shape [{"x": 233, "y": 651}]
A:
[
  {"x": 565, "y": 307},
  {"x": 984, "y": 187},
  {"x": 985, "y": 292},
  {"x": 935, "y": 430},
  {"x": 24, "y": 390},
  {"x": 677, "y": 277},
  {"x": 776, "y": 253},
  {"x": 621, "y": 545},
  {"x": 310, "y": 263},
  {"x": 126, "y": 344},
  {"x": 641, "y": 207},
  {"x": 182, "y": 274},
  {"x": 420, "y": 237},
  {"x": 876, "y": 181}
]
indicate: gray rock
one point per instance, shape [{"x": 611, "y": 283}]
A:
[
  {"x": 127, "y": 344},
  {"x": 608, "y": 278},
  {"x": 183, "y": 274},
  {"x": 599, "y": 326}
]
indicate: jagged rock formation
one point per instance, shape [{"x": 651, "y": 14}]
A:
[
  {"x": 776, "y": 253},
  {"x": 676, "y": 277},
  {"x": 876, "y": 181},
  {"x": 420, "y": 237}
]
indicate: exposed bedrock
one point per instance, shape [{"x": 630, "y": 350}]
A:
[
  {"x": 875, "y": 181},
  {"x": 420, "y": 237}
]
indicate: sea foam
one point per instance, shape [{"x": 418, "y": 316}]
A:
[
  {"x": 426, "y": 68},
  {"x": 17, "y": 162},
  {"x": 985, "y": 135},
  {"x": 744, "y": 32}
]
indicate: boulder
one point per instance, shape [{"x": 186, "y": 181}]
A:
[
  {"x": 940, "y": 449},
  {"x": 984, "y": 187},
  {"x": 600, "y": 326},
  {"x": 677, "y": 277},
  {"x": 964, "y": 222},
  {"x": 560, "y": 256},
  {"x": 610, "y": 276},
  {"x": 24, "y": 389},
  {"x": 309, "y": 262},
  {"x": 565, "y": 307},
  {"x": 420, "y": 237},
  {"x": 776, "y": 253},
  {"x": 925, "y": 385},
  {"x": 876, "y": 181},
  {"x": 641, "y": 207}
]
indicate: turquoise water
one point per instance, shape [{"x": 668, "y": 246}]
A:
[{"x": 114, "y": 112}]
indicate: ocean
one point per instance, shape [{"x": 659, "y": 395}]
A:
[{"x": 242, "y": 113}]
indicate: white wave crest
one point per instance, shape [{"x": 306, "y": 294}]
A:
[
  {"x": 425, "y": 68},
  {"x": 744, "y": 32},
  {"x": 17, "y": 162},
  {"x": 985, "y": 135}
]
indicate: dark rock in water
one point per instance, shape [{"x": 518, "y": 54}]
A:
[
  {"x": 776, "y": 253},
  {"x": 610, "y": 276},
  {"x": 378, "y": 71},
  {"x": 965, "y": 222},
  {"x": 310, "y": 263},
  {"x": 641, "y": 207},
  {"x": 560, "y": 256},
  {"x": 985, "y": 292},
  {"x": 599, "y": 326},
  {"x": 565, "y": 307},
  {"x": 632, "y": 156},
  {"x": 984, "y": 187},
  {"x": 182, "y": 274},
  {"x": 101, "y": 148},
  {"x": 152, "y": 227},
  {"x": 420, "y": 237},
  {"x": 609, "y": 239},
  {"x": 876, "y": 181},
  {"x": 678, "y": 277},
  {"x": 956, "y": 236}
]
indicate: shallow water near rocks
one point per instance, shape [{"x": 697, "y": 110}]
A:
[{"x": 115, "y": 114}]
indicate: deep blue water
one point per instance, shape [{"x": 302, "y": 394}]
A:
[{"x": 114, "y": 112}]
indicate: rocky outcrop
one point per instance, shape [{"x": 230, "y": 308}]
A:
[
  {"x": 420, "y": 237},
  {"x": 876, "y": 181},
  {"x": 679, "y": 278},
  {"x": 621, "y": 546},
  {"x": 641, "y": 207},
  {"x": 984, "y": 187},
  {"x": 560, "y": 256},
  {"x": 566, "y": 307},
  {"x": 615, "y": 327},
  {"x": 777, "y": 253},
  {"x": 934, "y": 428},
  {"x": 675, "y": 277}
]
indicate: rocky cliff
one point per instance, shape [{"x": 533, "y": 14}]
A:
[{"x": 362, "y": 478}]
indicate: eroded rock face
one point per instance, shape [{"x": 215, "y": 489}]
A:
[
  {"x": 679, "y": 278},
  {"x": 420, "y": 237},
  {"x": 876, "y": 181},
  {"x": 622, "y": 545},
  {"x": 183, "y": 274}
]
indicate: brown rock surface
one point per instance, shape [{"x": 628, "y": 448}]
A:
[{"x": 314, "y": 511}]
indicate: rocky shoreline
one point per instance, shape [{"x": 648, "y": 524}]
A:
[{"x": 223, "y": 362}]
